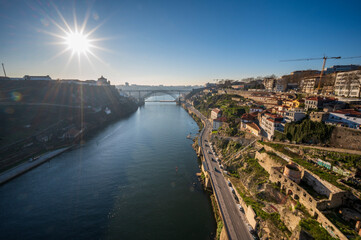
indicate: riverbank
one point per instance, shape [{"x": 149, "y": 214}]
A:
[
  {"x": 38, "y": 123},
  {"x": 215, "y": 209},
  {"x": 27, "y": 166}
]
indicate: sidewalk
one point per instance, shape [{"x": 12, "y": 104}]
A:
[{"x": 26, "y": 166}]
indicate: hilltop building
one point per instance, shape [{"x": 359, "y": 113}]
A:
[
  {"x": 37, "y": 78},
  {"x": 103, "y": 81},
  {"x": 341, "y": 68}
]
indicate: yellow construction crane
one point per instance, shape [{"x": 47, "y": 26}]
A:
[{"x": 323, "y": 65}]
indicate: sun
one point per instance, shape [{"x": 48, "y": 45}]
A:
[
  {"x": 77, "y": 42},
  {"x": 76, "y": 39}
]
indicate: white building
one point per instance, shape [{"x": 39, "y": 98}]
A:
[
  {"x": 280, "y": 85},
  {"x": 348, "y": 84},
  {"x": 270, "y": 123},
  {"x": 255, "y": 109},
  {"x": 308, "y": 85},
  {"x": 346, "y": 118},
  {"x": 269, "y": 83},
  {"x": 294, "y": 116},
  {"x": 216, "y": 113}
]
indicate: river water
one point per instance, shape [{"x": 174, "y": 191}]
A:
[{"x": 121, "y": 184}]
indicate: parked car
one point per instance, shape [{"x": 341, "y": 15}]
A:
[
  {"x": 240, "y": 207},
  {"x": 229, "y": 183},
  {"x": 255, "y": 237},
  {"x": 250, "y": 229}
]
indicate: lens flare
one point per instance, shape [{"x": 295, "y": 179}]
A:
[{"x": 16, "y": 96}]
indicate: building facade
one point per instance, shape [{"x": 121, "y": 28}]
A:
[
  {"x": 348, "y": 84},
  {"x": 308, "y": 85},
  {"x": 216, "y": 113},
  {"x": 346, "y": 118},
  {"x": 270, "y": 123},
  {"x": 269, "y": 84}
]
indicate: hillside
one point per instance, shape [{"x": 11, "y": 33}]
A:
[{"x": 40, "y": 115}]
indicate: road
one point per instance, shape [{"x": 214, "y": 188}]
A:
[
  {"x": 232, "y": 216},
  {"x": 26, "y": 166}
]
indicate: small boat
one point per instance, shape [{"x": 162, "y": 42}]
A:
[{"x": 189, "y": 136}]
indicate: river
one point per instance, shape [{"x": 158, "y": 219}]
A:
[{"x": 121, "y": 184}]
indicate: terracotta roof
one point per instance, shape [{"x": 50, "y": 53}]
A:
[
  {"x": 273, "y": 115},
  {"x": 216, "y": 110},
  {"x": 348, "y": 111},
  {"x": 254, "y": 126},
  {"x": 221, "y": 119},
  {"x": 247, "y": 116},
  {"x": 325, "y": 99}
]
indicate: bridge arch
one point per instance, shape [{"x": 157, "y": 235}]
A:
[{"x": 165, "y": 92}]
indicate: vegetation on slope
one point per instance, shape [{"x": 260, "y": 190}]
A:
[{"x": 306, "y": 132}]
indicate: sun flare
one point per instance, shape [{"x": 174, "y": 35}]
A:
[
  {"x": 76, "y": 39},
  {"x": 77, "y": 42}
]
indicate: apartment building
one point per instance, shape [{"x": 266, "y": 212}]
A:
[
  {"x": 216, "y": 113},
  {"x": 346, "y": 118},
  {"x": 270, "y": 123},
  {"x": 348, "y": 84},
  {"x": 308, "y": 85}
]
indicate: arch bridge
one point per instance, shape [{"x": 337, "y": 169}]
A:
[{"x": 142, "y": 94}]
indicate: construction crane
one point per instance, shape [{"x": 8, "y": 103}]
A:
[
  {"x": 323, "y": 65},
  {"x": 4, "y": 69}
]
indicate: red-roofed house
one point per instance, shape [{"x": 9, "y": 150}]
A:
[
  {"x": 317, "y": 102},
  {"x": 247, "y": 118},
  {"x": 253, "y": 128}
]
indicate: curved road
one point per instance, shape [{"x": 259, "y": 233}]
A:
[{"x": 232, "y": 216}]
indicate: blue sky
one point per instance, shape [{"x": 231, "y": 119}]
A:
[{"x": 178, "y": 42}]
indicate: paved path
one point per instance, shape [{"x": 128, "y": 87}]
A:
[
  {"x": 342, "y": 150},
  {"x": 24, "y": 167},
  {"x": 231, "y": 215}
]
